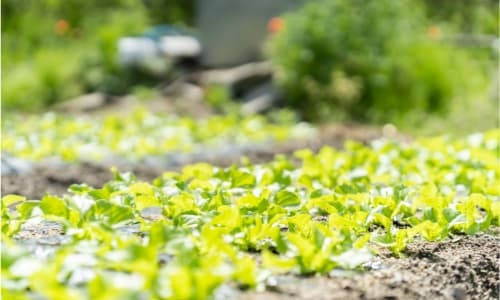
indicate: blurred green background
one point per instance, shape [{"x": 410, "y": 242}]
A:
[
  {"x": 57, "y": 49},
  {"x": 423, "y": 65},
  {"x": 412, "y": 63}
]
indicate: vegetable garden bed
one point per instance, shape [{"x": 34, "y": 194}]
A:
[{"x": 363, "y": 222}]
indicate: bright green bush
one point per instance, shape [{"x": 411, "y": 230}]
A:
[{"x": 366, "y": 60}]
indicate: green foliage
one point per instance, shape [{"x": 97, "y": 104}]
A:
[
  {"x": 219, "y": 97},
  {"x": 56, "y": 50},
  {"x": 177, "y": 12},
  {"x": 368, "y": 61},
  {"x": 136, "y": 135},
  {"x": 36, "y": 84},
  {"x": 466, "y": 16},
  {"x": 144, "y": 93},
  {"x": 328, "y": 211}
]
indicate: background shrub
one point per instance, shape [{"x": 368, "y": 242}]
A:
[
  {"x": 465, "y": 16},
  {"x": 53, "y": 50},
  {"x": 367, "y": 61}
]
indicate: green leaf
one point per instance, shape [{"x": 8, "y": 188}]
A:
[
  {"x": 143, "y": 201},
  {"x": 429, "y": 230},
  {"x": 110, "y": 213},
  {"x": 361, "y": 241},
  {"x": 26, "y": 208},
  {"x": 304, "y": 246},
  {"x": 380, "y": 219},
  {"x": 11, "y": 227},
  {"x": 242, "y": 179},
  {"x": 141, "y": 188},
  {"x": 450, "y": 214},
  {"x": 228, "y": 218},
  {"x": 401, "y": 238},
  {"x": 202, "y": 171},
  {"x": 79, "y": 188},
  {"x": 181, "y": 284},
  {"x": 277, "y": 263},
  {"x": 99, "y": 194},
  {"x": 286, "y": 199},
  {"x": 248, "y": 201},
  {"x": 245, "y": 272},
  {"x": 54, "y": 206}
]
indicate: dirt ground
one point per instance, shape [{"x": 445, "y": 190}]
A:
[{"x": 466, "y": 267}]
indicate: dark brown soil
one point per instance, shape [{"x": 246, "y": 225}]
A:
[
  {"x": 55, "y": 180},
  {"x": 463, "y": 268}
]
